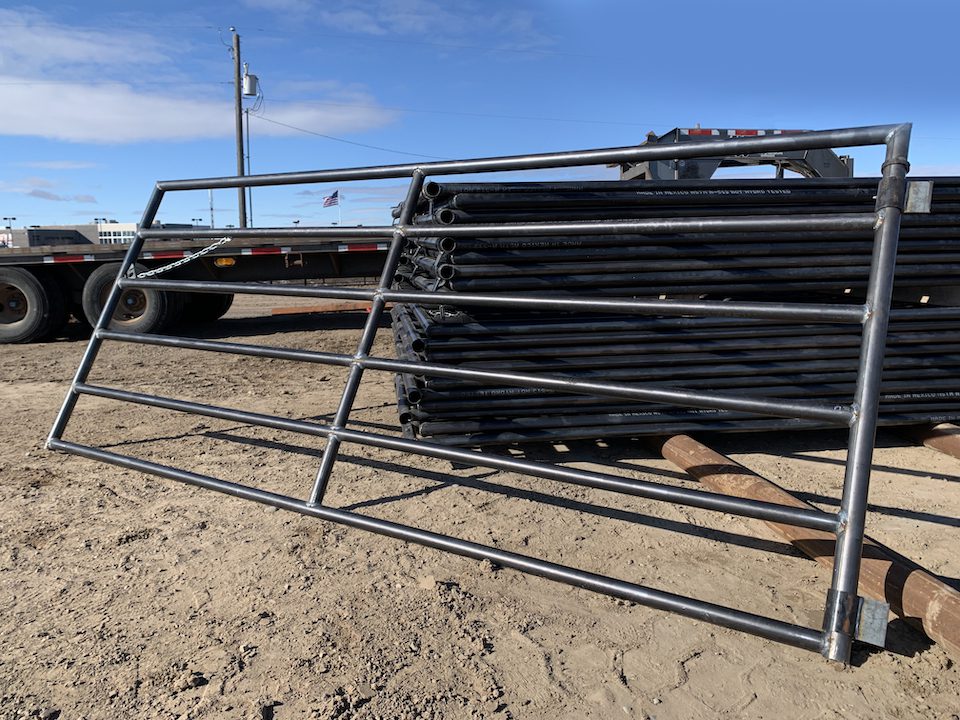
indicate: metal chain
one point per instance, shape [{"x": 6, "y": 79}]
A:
[{"x": 182, "y": 261}]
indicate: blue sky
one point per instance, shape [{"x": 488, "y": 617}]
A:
[{"x": 102, "y": 98}]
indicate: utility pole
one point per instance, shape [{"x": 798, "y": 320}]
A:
[
  {"x": 238, "y": 109},
  {"x": 249, "y": 189}
]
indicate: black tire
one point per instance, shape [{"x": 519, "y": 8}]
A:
[
  {"x": 76, "y": 311},
  {"x": 59, "y": 314},
  {"x": 206, "y": 307},
  {"x": 176, "y": 306},
  {"x": 139, "y": 311},
  {"x": 26, "y": 309}
]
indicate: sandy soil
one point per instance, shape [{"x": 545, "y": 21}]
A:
[{"x": 125, "y": 595}]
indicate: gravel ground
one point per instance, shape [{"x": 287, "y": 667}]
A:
[{"x": 126, "y": 595}]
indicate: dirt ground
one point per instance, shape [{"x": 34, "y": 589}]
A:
[{"x": 124, "y": 595}]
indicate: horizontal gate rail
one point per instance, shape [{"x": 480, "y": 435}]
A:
[
  {"x": 808, "y": 312},
  {"x": 839, "y": 221},
  {"x": 840, "y": 624},
  {"x": 602, "y": 481},
  {"x": 769, "y": 628},
  {"x": 838, "y": 415},
  {"x": 846, "y": 137}
]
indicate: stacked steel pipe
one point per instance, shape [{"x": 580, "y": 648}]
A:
[{"x": 750, "y": 357}]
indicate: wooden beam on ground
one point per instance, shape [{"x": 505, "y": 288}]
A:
[
  {"x": 333, "y": 306},
  {"x": 944, "y": 437},
  {"x": 913, "y": 593}
]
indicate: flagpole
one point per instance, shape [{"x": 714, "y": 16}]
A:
[{"x": 339, "y": 209}]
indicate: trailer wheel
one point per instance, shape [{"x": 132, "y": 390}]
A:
[
  {"x": 57, "y": 301},
  {"x": 206, "y": 307},
  {"x": 139, "y": 311},
  {"x": 27, "y": 309}
]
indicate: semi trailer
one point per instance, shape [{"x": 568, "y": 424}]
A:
[{"x": 42, "y": 287}]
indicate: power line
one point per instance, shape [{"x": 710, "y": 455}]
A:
[{"x": 348, "y": 142}]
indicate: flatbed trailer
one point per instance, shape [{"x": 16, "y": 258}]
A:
[{"x": 41, "y": 287}]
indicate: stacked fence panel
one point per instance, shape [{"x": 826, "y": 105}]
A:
[{"x": 750, "y": 357}]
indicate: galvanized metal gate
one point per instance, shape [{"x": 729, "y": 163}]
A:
[{"x": 842, "y": 606}]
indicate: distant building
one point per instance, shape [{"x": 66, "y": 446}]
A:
[{"x": 116, "y": 233}]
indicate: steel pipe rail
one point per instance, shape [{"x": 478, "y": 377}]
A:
[
  {"x": 809, "y": 312},
  {"x": 502, "y": 326},
  {"x": 913, "y": 227},
  {"x": 841, "y": 611},
  {"x": 937, "y": 392},
  {"x": 667, "y": 344},
  {"x": 210, "y": 286},
  {"x": 697, "y": 264},
  {"x": 837, "y": 415},
  {"x": 946, "y": 188},
  {"x": 601, "y": 481},
  {"x": 631, "y": 194},
  {"x": 462, "y": 393},
  {"x": 845, "y": 137},
  {"x": 442, "y": 218},
  {"x": 462, "y": 399},
  {"x": 826, "y": 221},
  {"x": 640, "y": 333},
  {"x": 728, "y": 423},
  {"x": 769, "y": 628},
  {"x": 772, "y": 310},
  {"x": 848, "y": 354},
  {"x": 599, "y": 420}
]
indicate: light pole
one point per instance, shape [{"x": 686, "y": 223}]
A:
[
  {"x": 196, "y": 221},
  {"x": 99, "y": 221},
  {"x": 9, "y": 220}
]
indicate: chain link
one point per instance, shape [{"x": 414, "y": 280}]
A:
[{"x": 182, "y": 261}]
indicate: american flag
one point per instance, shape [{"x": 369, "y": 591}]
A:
[{"x": 331, "y": 200}]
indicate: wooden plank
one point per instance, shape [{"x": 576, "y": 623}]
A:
[
  {"x": 913, "y": 593},
  {"x": 330, "y": 306},
  {"x": 944, "y": 437}
]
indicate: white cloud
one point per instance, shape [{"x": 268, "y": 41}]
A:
[
  {"x": 86, "y": 85},
  {"x": 36, "y": 182},
  {"x": 117, "y": 113},
  {"x": 32, "y": 44},
  {"x": 57, "y": 164},
  {"x": 42, "y": 189},
  {"x": 45, "y": 195}
]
